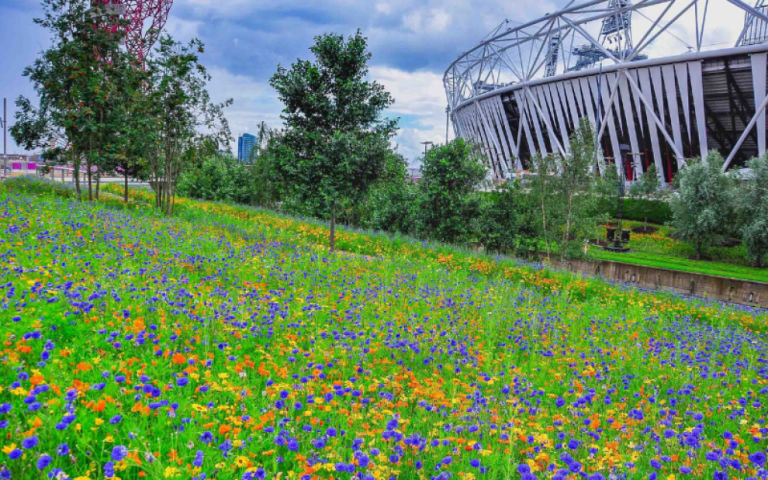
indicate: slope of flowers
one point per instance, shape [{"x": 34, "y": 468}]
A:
[{"x": 228, "y": 343}]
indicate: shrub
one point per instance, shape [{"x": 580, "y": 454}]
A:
[
  {"x": 218, "y": 178},
  {"x": 702, "y": 206},
  {"x": 752, "y": 207},
  {"x": 447, "y": 200}
]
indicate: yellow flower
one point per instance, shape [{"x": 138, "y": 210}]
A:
[
  {"x": 9, "y": 448},
  {"x": 241, "y": 461},
  {"x": 99, "y": 421},
  {"x": 171, "y": 472}
]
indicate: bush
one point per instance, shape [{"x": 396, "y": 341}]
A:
[
  {"x": 657, "y": 211},
  {"x": 447, "y": 200},
  {"x": 219, "y": 178},
  {"x": 507, "y": 222},
  {"x": 702, "y": 206},
  {"x": 752, "y": 209}
]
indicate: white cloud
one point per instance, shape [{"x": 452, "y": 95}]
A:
[
  {"x": 420, "y": 96},
  {"x": 253, "y": 102}
]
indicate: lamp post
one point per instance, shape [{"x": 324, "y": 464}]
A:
[{"x": 425, "y": 146}]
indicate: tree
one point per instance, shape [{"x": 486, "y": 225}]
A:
[
  {"x": 391, "y": 201},
  {"x": 575, "y": 187},
  {"x": 752, "y": 210},
  {"x": 79, "y": 81},
  {"x": 179, "y": 102},
  {"x": 647, "y": 189},
  {"x": 450, "y": 175},
  {"x": 543, "y": 192},
  {"x": 508, "y": 220},
  {"x": 607, "y": 192},
  {"x": 702, "y": 206},
  {"x": 336, "y": 140}
]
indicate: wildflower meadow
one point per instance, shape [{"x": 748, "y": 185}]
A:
[{"x": 228, "y": 343}]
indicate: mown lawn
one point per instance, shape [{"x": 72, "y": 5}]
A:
[
  {"x": 659, "y": 249},
  {"x": 228, "y": 343}
]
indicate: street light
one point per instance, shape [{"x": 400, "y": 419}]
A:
[{"x": 425, "y": 146}]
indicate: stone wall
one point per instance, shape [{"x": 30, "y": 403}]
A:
[{"x": 726, "y": 289}]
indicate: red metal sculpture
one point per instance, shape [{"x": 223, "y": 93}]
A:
[{"x": 146, "y": 19}]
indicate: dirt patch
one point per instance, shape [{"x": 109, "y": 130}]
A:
[{"x": 645, "y": 230}]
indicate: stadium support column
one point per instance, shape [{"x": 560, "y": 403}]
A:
[
  {"x": 653, "y": 115},
  {"x": 758, "y": 82}
]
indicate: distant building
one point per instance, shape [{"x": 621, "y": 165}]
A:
[
  {"x": 414, "y": 174},
  {"x": 245, "y": 144}
]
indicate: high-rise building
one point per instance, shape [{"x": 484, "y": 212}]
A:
[{"x": 245, "y": 144}]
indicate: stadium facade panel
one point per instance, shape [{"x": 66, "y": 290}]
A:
[{"x": 661, "y": 111}]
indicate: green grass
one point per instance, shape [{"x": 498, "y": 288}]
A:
[
  {"x": 684, "y": 264},
  {"x": 659, "y": 249}
]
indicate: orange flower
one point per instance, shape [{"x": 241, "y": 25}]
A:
[{"x": 84, "y": 366}]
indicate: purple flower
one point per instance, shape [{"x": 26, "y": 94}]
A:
[
  {"x": 119, "y": 452},
  {"x": 29, "y": 442},
  {"x": 475, "y": 463},
  {"x": 62, "y": 450},
  {"x": 115, "y": 420},
  {"x": 183, "y": 381},
  {"x": 43, "y": 461},
  {"x": 15, "y": 453},
  {"x": 758, "y": 458}
]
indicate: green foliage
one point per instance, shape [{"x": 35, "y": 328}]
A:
[
  {"x": 336, "y": 140},
  {"x": 179, "y": 101},
  {"x": 84, "y": 81},
  {"x": 574, "y": 188},
  {"x": 565, "y": 192},
  {"x": 647, "y": 187},
  {"x": 752, "y": 207},
  {"x": 607, "y": 192},
  {"x": 507, "y": 221},
  {"x": 219, "y": 178},
  {"x": 391, "y": 202},
  {"x": 640, "y": 209},
  {"x": 450, "y": 175},
  {"x": 702, "y": 207}
]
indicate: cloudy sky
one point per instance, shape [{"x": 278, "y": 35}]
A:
[{"x": 412, "y": 42}]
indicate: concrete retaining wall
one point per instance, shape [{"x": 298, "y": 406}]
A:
[{"x": 726, "y": 289}]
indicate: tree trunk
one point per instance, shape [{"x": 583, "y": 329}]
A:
[
  {"x": 76, "y": 175},
  {"x": 98, "y": 183},
  {"x": 567, "y": 234},
  {"x": 90, "y": 178},
  {"x": 332, "y": 240},
  {"x": 125, "y": 190}
]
